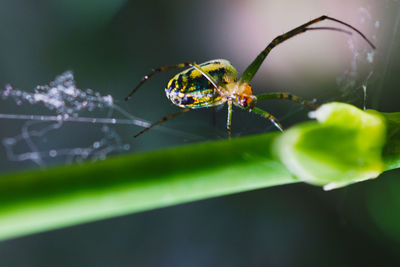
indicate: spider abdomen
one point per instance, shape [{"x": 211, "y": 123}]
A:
[{"x": 190, "y": 89}]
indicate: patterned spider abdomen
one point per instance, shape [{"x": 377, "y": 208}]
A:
[{"x": 190, "y": 89}]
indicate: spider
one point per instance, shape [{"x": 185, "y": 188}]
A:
[{"x": 215, "y": 82}]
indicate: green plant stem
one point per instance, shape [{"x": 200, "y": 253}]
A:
[
  {"x": 47, "y": 199},
  {"x": 339, "y": 148}
]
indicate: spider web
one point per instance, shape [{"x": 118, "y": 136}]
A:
[
  {"x": 351, "y": 83},
  {"x": 62, "y": 103}
]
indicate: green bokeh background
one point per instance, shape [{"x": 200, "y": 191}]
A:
[{"x": 110, "y": 45}]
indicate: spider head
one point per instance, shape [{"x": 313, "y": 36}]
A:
[
  {"x": 244, "y": 96},
  {"x": 247, "y": 101},
  {"x": 252, "y": 103}
]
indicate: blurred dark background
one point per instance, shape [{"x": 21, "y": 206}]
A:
[{"x": 110, "y": 45}]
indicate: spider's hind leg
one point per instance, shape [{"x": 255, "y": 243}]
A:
[
  {"x": 157, "y": 70},
  {"x": 163, "y": 119}
]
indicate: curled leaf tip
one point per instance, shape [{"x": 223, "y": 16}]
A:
[{"x": 343, "y": 146}]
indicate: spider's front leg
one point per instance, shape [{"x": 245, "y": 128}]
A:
[{"x": 252, "y": 69}]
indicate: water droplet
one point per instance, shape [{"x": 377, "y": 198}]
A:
[
  {"x": 364, "y": 87},
  {"x": 53, "y": 153},
  {"x": 9, "y": 141},
  {"x": 370, "y": 57},
  {"x": 312, "y": 115},
  {"x": 96, "y": 145}
]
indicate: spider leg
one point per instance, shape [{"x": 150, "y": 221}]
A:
[
  {"x": 255, "y": 65},
  {"x": 229, "y": 119},
  {"x": 288, "y": 97},
  {"x": 157, "y": 70},
  {"x": 267, "y": 116},
  {"x": 329, "y": 29},
  {"x": 163, "y": 119}
]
